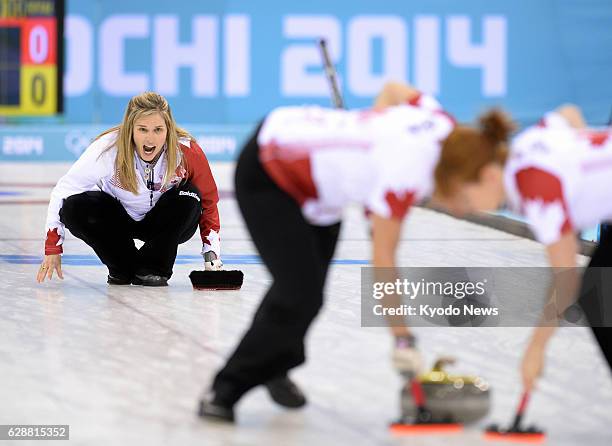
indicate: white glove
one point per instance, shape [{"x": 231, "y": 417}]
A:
[
  {"x": 211, "y": 263},
  {"x": 406, "y": 357}
]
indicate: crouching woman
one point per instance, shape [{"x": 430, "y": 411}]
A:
[{"x": 145, "y": 179}]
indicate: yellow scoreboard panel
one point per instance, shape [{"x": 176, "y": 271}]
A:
[{"x": 31, "y": 57}]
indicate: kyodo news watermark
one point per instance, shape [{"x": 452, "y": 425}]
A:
[{"x": 486, "y": 297}]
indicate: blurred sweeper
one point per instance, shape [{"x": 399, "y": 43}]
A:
[
  {"x": 294, "y": 178},
  {"x": 558, "y": 175}
]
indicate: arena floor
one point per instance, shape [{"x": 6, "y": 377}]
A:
[{"x": 126, "y": 365}]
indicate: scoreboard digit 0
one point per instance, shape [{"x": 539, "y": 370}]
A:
[{"x": 31, "y": 57}]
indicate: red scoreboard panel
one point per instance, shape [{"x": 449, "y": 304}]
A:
[{"x": 31, "y": 57}]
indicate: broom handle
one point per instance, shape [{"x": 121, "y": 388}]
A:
[
  {"x": 417, "y": 392},
  {"x": 521, "y": 410},
  {"x": 330, "y": 73}
]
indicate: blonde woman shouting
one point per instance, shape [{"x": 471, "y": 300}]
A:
[{"x": 145, "y": 179}]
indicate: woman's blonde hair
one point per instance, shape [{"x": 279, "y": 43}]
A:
[
  {"x": 142, "y": 105},
  {"x": 466, "y": 150}
]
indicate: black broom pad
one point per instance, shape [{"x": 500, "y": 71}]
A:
[{"x": 216, "y": 280}]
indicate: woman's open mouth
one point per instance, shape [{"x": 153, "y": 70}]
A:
[{"x": 148, "y": 150}]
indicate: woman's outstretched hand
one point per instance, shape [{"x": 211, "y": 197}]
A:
[{"x": 49, "y": 264}]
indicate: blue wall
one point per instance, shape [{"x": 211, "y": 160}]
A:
[
  {"x": 555, "y": 50},
  {"x": 229, "y": 62}
]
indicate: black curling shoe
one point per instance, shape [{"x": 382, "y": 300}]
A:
[
  {"x": 150, "y": 280},
  {"x": 285, "y": 392},
  {"x": 213, "y": 410},
  {"x": 113, "y": 280}
]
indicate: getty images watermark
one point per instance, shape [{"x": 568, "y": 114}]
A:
[{"x": 486, "y": 297}]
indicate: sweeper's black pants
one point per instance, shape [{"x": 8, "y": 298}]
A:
[
  {"x": 595, "y": 296},
  {"x": 103, "y": 223},
  {"x": 297, "y": 255}
]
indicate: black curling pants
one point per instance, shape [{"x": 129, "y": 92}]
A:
[
  {"x": 297, "y": 255},
  {"x": 102, "y": 222},
  {"x": 594, "y": 296}
]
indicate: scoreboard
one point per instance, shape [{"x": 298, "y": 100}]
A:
[{"x": 31, "y": 57}]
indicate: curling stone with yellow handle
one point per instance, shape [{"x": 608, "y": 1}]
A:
[{"x": 448, "y": 398}]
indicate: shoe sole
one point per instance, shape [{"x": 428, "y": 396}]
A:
[
  {"x": 119, "y": 282},
  {"x": 212, "y": 415},
  {"x": 143, "y": 283}
]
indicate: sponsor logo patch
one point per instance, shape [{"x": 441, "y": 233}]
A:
[{"x": 191, "y": 194}]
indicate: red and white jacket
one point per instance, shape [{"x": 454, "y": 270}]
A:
[
  {"x": 560, "y": 178},
  {"x": 327, "y": 158},
  {"x": 95, "y": 170}
]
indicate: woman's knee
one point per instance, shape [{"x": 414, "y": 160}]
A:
[
  {"x": 83, "y": 208},
  {"x": 183, "y": 210},
  {"x": 68, "y": 212},
  {"x": 189, "y": 188},
  {"x": 189, "y": 204}
]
